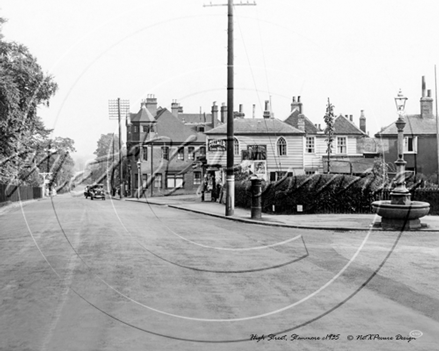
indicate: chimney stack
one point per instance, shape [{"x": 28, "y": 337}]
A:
[
  {"x": 151, "y": 104},
  {"x": 214, "y": 112},
  {"x": 426, "y": 109},
  {"x": 240, "y": 113},
  {"x": 175, "y": 108},
  {"x": 266, "y": 113},
  {"x": 363, "y": 122},
  {"x": 223, "y": 112},
  {"x": 296, "y": 104}
]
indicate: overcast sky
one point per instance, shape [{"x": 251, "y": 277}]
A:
[{"x": 357, "y": 53}]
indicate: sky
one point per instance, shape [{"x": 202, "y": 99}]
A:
[{"x": 357, "y": 53}]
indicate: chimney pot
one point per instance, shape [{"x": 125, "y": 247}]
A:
[
  {"x": 266, "y": 113},
  {"x": 363, "y": 122},
  {"x": 223, "y": 112}
]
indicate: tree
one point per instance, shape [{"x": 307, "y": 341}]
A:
[
  {"x": 23, "y": 87},
  {"x": 329, "y": 119},
  {"x": 107, "y": 159}
]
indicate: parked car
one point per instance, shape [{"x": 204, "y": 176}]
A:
[{"x": 96, "y": 192}]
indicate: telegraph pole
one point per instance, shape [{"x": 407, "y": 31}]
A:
[
  {"x": 115, "y": 107},
  {"x": 230, "y": 179}
]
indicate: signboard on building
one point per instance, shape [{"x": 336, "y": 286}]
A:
[
  {"x": 216, "y": 145},
  {"x": 257, "y": 167}
]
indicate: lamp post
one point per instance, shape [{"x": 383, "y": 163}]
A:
[
  {"x": 400, "y": 194},
  {"x": 139, "y": 163}
]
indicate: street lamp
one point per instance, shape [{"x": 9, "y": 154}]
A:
[
  {"x": 139, "y": 163},
  {"x": 400, "y": 194}
]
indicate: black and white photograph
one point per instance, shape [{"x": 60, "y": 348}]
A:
[{"x": 219, "y": 175}]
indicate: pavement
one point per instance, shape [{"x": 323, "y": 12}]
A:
[
  {"x": 193, "y": 203},
  {"x": 344, "y": 222}
]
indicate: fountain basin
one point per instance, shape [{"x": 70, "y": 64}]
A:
[{"x": 401, "y": 217}]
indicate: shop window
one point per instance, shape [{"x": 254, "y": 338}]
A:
[
  {"x": 197, "y": 177},
  {"x": 174, "y": 181}
]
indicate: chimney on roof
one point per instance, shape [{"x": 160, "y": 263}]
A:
[
  {"x": 296, "y": 104},
  {"x": 266, "y": 113},
  {"x": 426, "y": 110},
  {"x": 301, "y": 122},
  {"x": 253, "y": 111},
  {"x": 223, "y": 112},
  {"x": 214, "y": 112},
  {"x": 151, "y": 103},
  {"x": 240, "y": 113},
  {"x": 363, "y": 122},
  {"x": 351, "y": 118},
  {"x": 175, "y": 108}
]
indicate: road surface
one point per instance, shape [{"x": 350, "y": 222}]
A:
[{"x": 78, "y": 274}]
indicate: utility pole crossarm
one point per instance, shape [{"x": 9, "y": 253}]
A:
[{"x": 239, "y": 4}]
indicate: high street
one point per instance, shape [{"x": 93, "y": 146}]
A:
[{"x": 78, "y": 274}]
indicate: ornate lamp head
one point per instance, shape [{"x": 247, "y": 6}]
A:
[{"x": 400, "y": 102}]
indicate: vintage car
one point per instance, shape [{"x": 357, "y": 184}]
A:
[{"x": 95, "y": 192}]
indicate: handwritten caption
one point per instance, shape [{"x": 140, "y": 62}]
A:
[{"x": 330, "y": 337}]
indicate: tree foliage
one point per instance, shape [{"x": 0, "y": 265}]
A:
[
  {"x": 24, "y": 140},
  {"x": 107, "y": 159},
  {"x": 23, "y": 87}
]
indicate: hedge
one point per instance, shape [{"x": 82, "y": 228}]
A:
[{"x": 326, "y": 193}]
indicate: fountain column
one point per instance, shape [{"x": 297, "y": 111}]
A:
[
  {"x": 400, "y": 194},
  {"x": 400, "y": 213}
]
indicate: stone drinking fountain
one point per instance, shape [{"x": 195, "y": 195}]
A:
[{"x": 400, "y": 213}]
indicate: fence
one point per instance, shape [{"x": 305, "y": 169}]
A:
[{"x": 19, "y": 193}]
